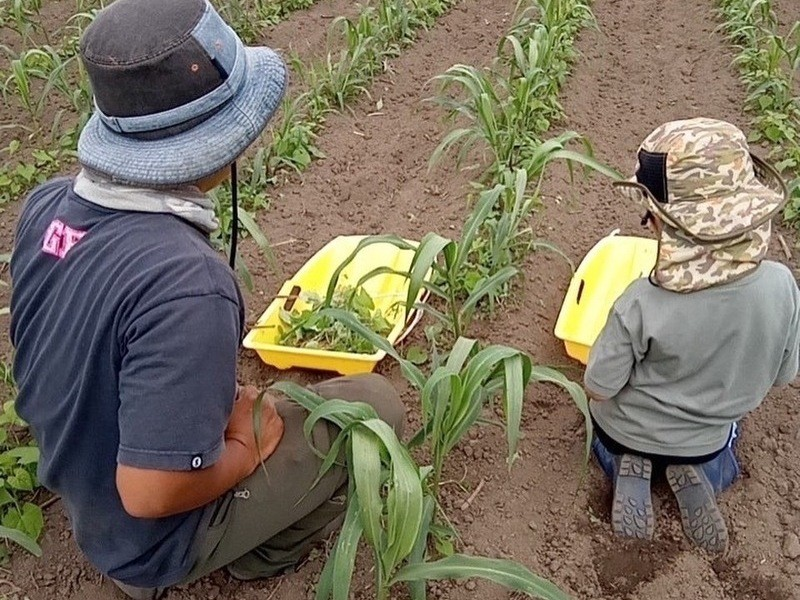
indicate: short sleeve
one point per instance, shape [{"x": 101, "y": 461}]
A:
[
  {"x": 790, "y": 365},
  {"x": 616, "y": 349},
  {"x": 177, "y": 383}
]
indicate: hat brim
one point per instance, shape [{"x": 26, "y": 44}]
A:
[
  {"x": 718, "y": 217},
  {"x": 200, "y": 151}
]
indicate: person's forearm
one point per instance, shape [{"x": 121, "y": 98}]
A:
[{"x": 151, "y": 494}]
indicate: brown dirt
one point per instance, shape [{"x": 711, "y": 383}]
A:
[{"x": 651, "y": 61}]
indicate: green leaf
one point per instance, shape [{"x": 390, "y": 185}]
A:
[
  {"x": 483, "y": 208},
  {"x": 25, "y": 455},
  {"x": 21, "y": 539},
  {"x": 21, "y": 480},
  {"x": 417, "y": 555},
  {"x": 505, "y": 572},
  {"x": 32, "y": 519},
  {"x": 416, "y": 355},
  {"x": 404, "y": 498},
  {"x": 515, "y": 382},
  {"x": 365, "y": 468},
  {"x": 252, "y": 227},
  {"x": 487, "y": 287},
  {"x": 345, "y": 557}
]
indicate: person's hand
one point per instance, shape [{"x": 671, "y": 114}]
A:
[{"x": 241, "y": 423}]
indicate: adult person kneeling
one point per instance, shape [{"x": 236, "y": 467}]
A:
[{"x": 127, "y": 324}]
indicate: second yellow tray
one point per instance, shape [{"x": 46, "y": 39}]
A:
[{"x": 386, "y": 291}]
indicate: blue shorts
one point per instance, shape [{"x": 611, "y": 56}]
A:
[{"x": 721, "y": 471}]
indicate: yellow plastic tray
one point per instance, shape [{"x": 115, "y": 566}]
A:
[
  {"x": 604, "y": 273},
  {"x": 314, "y": 276}
]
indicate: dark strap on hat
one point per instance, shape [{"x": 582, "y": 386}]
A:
[{"x": 652, "y": 173}]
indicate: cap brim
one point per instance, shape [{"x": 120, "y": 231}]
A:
[
  {"x": 719, "y": 217},
  {"x": 199, "y": 151}
]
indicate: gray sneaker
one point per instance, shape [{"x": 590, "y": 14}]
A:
[
  {"x": 632, "y": 509},
  {"x": 137, "y": 593},
  {"x": 702, "y": 521}
]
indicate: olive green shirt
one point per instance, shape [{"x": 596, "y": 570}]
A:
[{"x": 671, "y": 372}]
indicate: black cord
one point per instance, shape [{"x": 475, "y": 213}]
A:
[{"x": 234, "y": 215}]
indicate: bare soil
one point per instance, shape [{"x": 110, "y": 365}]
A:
[{"x": 650, "y": 61}]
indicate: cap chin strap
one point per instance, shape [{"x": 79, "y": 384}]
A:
[{"x": 234, "y": 216}]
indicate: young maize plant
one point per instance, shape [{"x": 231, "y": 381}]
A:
[
  {"x": 388, "y": 508},
  {"x": 376, "y": 35},
  {"x": 508, "y": 109},
  {"x": 21, "y": 16},
  {"x": 449, "y": 276},
  {"x": 509, "y": 106},
  {"x": 768, "y": 64},
  {"x": 249, "y": 19}
]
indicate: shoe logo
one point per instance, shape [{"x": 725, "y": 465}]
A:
[{"x": 60, "y": 239}]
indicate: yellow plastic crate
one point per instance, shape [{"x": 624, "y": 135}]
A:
[
  {"x": 604, "y": 273},
  {"x": 386, "y": 290}
]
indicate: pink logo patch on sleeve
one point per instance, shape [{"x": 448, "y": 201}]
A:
[{"x": 60, "y": 238}]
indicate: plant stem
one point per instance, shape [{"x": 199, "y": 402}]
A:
[{"x": 452, "y": 301}]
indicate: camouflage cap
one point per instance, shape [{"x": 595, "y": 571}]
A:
[
  {"x": 710, "y": 186},
  {"x": 714, "y": 198}
]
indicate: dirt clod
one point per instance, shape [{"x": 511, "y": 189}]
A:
[{"x": 791, "y": 546}]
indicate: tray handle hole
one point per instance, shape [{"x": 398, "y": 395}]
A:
[
  {"x": 292, "y": 298},
  {"x": 580, "y": 291}
]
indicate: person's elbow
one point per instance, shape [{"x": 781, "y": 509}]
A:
[
  {"x": 596, "y": 395},
  {"x": 141, "y": 499},
  {"x": 595, "y": 391}
]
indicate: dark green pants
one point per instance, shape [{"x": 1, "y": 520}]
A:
[{"x": 271, "y": 520}]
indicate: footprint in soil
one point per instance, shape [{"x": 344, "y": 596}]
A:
[{"x": 624, "y": 566}]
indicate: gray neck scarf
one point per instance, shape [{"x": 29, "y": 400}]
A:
[{"x": 186, "y": 202}]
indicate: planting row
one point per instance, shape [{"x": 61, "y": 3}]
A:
[
  {"x": 394, "y": 505},
  {"x": 769, "y": 64}
]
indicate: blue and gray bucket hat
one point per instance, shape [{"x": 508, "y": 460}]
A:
[{"x": 177, "y": 94}]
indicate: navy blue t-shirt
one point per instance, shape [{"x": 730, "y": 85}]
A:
[{"x": 126, "y": 327}]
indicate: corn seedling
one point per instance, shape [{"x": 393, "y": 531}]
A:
[
  {"x": 221, "y": 240},
  {"x": 293, "y": 139},
  {"x": 455, "y": 393},
  {"x": 449, "y": 273},
  {"x": 509, "y": 106},
  {"x": 399, "y": 23},
  {"x": 21, "y": 15},
  {"x": 768, "y": 64},
  {"x": 387, "y": 507}
]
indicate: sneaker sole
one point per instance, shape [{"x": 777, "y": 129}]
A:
[
  {"x": 632, "y": 509},
  {"x": 702, "y": 521}
]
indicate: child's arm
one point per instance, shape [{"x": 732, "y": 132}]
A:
[
  {"x": 612, "y": 357},
  {"x": 791, "y": 355}
]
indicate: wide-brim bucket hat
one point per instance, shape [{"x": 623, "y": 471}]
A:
[
  {"x": 177, "y": 94},
  {"x": 699, "y": 176}
]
